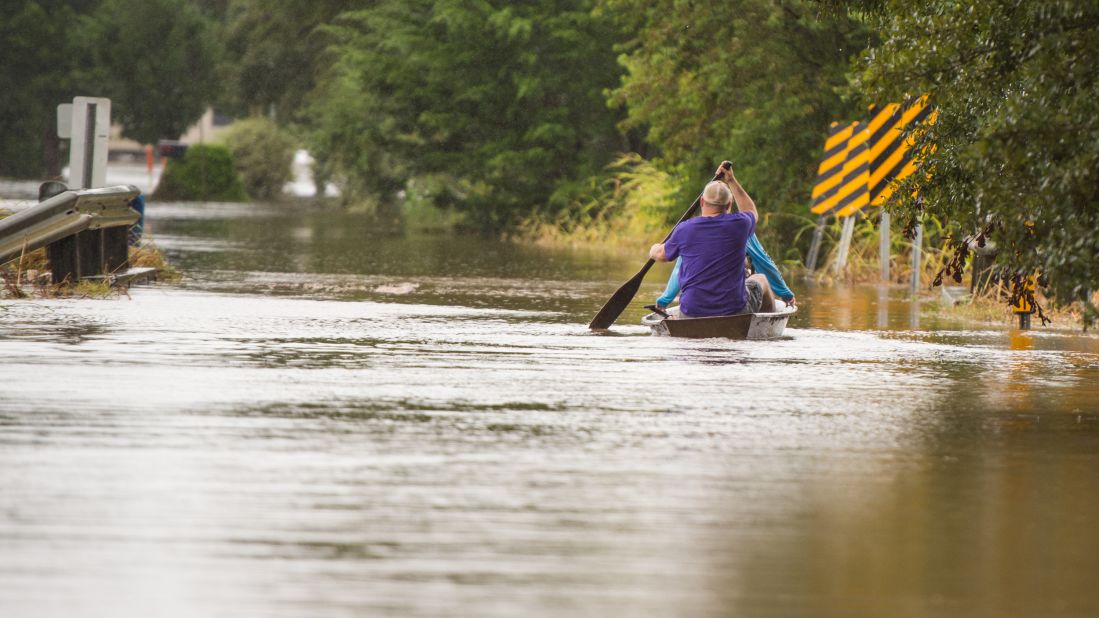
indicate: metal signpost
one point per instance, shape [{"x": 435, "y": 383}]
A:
[
  {"x": 87, "y": 123},
  {"x": 917, "y": 260},
  {"x": 883, "y": 246}
]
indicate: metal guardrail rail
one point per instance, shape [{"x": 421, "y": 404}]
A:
[{"x": 65, "y": 215}]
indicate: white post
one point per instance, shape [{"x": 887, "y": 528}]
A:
[
  {"x": 883, "y": 307},
  {"x": 845, "y": 244},
  {"x": 883, "y": 253},
  {"x": 917, "y": 259},
  {"x": 90, "y": 131},
  {"x": 814, "y": 248}
]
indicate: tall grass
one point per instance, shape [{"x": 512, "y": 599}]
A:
[
  {"x": 29, "y": 276},
  {"x": 148, "y": 255},
  {"x": 864, "y": 255},
  {"x": 626, "y": 208}
]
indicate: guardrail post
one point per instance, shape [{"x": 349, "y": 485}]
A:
[
  {"x": 63, "y": 256},
  {"x": 68, "y": 224}
]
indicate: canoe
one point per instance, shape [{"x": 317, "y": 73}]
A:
[{"x": 742, "y": 326}]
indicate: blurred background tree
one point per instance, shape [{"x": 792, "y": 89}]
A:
[
  {"x": 262, "y": 155},
  {"x": 273, "y": 53},
  {"x": 505, "y": 102},
  {"x": 157, "y": 60},
  {"x": 37, "y": 71}
]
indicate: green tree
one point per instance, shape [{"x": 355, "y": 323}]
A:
[
  {"x": 36, "y": 74},
  {"x": 1017, "y": 137},
  {"x": 205, "y": 172},
  {"x": 754, "y": 81},
  {"x": 262, "y": 155},
  {"x": 273, "y": 53},
  {"x": 157, "y": 60},
  {"x": 503, "y": 100}
]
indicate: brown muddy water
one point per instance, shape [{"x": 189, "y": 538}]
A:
[{"x": 332, "y": 418}]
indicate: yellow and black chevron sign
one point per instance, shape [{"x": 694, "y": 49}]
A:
[
  {"x": 891, "y": 156},
  {"x": 842, "y": 177},
  {"x": 863, "y": 161}
]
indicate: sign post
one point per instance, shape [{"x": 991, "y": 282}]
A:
[
  {"x": 917, "y": 259},
  {"x": 1023, "y": 307},
  {"x": 86, "y": 122},
  {"x": 883, "y": 246}
]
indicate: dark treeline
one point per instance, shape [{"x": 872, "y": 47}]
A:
[
  {"x": 506, "y": 112},
  {"x": 158, "y": 60}
]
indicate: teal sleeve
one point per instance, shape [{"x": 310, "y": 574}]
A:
[
  {"x": 762, "y": 263},
  {"x": 672, "y": 290}
]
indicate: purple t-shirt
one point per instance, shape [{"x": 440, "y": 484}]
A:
[{"x": 712, "y": 272}]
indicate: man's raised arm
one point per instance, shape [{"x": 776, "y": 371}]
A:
[{"x": 744, "y": 201}]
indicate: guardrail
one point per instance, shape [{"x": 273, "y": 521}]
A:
[{"x": 84, "y": 232}]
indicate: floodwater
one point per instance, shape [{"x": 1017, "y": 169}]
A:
[{"x": 332, "y": 417}]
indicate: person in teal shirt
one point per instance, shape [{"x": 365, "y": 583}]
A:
[{"x": 761, "y": 263}]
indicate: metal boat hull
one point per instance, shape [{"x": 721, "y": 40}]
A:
[{"x": 742, "y": 326}]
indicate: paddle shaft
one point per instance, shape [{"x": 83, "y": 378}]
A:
[{"x": 622, "y": 297}]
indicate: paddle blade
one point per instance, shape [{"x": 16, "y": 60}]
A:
[{"x": 618, "y": 303}]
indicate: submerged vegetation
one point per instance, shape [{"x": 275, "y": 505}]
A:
[
  {"x": 148, "y": 255},
  {"x": 28, "y": 276}
]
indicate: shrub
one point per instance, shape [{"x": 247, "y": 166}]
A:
[
  {"x": 204, "y": 173},
  {"x": 262, "y": 153}
]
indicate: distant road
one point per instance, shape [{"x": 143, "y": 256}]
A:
[
  {"x": 118, "y": 173},
  {"x": 135, "y": 173}
]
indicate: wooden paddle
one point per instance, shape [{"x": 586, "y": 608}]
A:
[{"x": 621, "y": 299}]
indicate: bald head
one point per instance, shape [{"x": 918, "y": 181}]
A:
[{"x": 717, "y": 195}]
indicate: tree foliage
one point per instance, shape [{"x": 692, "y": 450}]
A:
[
  {"x": 504, "y": 100},
  {"x": 262, "y": 154},
  {"x": 1017, "y": 137},
  {"x": 205, "y": 172},
  {"x": 157, "y": 60},
  {"x": 36, "y": 74},
  {"x": 273, "y": 53},
  {"x": 754, "y": 81}
]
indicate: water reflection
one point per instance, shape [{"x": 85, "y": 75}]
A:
[{"x": 346, "y": 421}]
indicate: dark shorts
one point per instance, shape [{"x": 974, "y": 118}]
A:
[{"x": 755, "y": 296}]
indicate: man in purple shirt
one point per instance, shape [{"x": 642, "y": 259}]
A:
[{"x": 713, "y": 246}]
